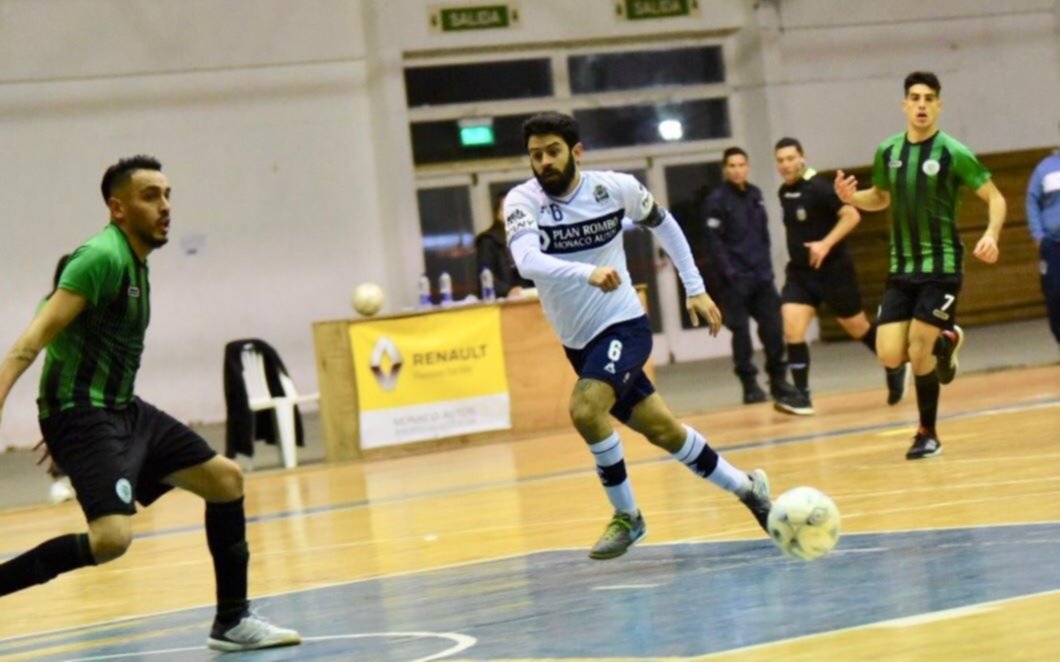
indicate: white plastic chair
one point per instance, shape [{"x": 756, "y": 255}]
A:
[{"x": 260, "y": 399}]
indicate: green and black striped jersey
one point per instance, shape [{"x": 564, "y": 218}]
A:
[
  {"x": 924, "y": 181},
  {"x": 93, "y": 361}
]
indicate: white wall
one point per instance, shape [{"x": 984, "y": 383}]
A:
[
  {"x": 268, "y": 146},
  {"x": 283, "y": 129}
]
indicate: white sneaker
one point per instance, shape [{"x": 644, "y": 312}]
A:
[
  {"x": 250, "y": 633},
  {"x": 61, "y": 490}
]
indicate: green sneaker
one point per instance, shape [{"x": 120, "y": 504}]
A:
[
  {"x": 622, "y": 532},
  {"x": 757, "y": 498}
]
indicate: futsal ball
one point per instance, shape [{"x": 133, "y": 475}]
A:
[
  {"x": 804, "y": 523},
  {"x": 367, "y": 299}
]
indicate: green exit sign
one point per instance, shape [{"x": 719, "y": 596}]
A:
[
  {"x": 458, "y": 19},
  {"x": 636, "y": 10},
  {"x": 477, "y": 136},
  {"x": 477, "y": 133}
]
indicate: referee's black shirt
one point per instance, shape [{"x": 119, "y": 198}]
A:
[{"x": 810, "y": 212}]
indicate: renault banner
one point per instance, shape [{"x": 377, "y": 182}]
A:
[{"x": 430, "y": 376}]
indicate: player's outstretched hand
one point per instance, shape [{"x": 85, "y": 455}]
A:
[
  {"x": 845, "y": 187},
  {"x": 703, "y": 306},
  {"x": 987, "y": 250},
  {"x": 606, "y": 278}
]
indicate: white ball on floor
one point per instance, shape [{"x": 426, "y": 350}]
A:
[
  {"x": 804, "y": 523},
  {"x": 367, "y": 299}
]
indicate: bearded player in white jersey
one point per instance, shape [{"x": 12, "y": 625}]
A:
[{"x": 564, "y": 230}]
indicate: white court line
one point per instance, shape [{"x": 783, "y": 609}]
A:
[
  {"x": 985, "y": 606},
  {"x": 935, "y": 616},
  {"x": 462, "y": 643},
  {"x": 623, "y": 587}
]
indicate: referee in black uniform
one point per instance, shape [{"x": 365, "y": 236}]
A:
[
  {"x": 738, "y": 241},
  {"x": 820, "y": 270}
]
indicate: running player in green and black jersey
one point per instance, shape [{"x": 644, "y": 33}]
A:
[
  {"x": 922, "y": 171},
  {"x": 116, "y": 448}
]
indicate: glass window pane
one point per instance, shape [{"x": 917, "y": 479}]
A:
[
  {"x": 687, "y": 188},
  {"x": 448, "y": 237},
  {"x": 439, "y": 141},
  {"x": 623, "y": 126},
  {"x": 461, "y": 83},
  {"x": 606, "y": 72}
]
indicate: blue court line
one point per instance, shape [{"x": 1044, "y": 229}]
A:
[{"x": 778, "y": 441}]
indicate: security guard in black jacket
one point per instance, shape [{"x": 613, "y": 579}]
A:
[{"x": 738, "y": 241}]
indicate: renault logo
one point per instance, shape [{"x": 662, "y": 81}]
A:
[{"x": 386, "y": 363}]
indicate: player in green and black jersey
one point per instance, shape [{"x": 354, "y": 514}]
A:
[
  {"x": 116, "y": 448},
  {"x": 919, "y": 174}
]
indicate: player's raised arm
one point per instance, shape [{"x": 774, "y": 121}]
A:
[
  {"x": 986, "y": 248},
  {"x": 870, "y": 199},
  {"x": 57, "y": 313}
]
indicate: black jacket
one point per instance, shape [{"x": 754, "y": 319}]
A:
[
  {"x": 491, "y": 249},
  {"x": 738, "y": 233},
  {"x": 243, "y": 426}
]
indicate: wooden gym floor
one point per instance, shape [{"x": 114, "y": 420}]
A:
[{"x": 479, "y": 553}]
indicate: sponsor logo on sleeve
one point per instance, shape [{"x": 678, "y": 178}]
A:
[
  {"x": 894, "y": 163},
  {"x": 516, "y": 221},
  {"x": 646, "y": 202}
]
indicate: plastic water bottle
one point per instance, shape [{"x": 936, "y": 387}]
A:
[
  {"x": 486, "y": 280},
  {"x": 445, "y": 289},
  {"x": 425, "y": 292}
]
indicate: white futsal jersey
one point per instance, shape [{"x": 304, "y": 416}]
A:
[{"x": 584, "y": 227}]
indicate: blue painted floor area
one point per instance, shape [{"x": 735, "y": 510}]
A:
[{"x": 663, "y": 600}]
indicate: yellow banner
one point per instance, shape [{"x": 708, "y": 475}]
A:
[{"x": 448, "y": 355}]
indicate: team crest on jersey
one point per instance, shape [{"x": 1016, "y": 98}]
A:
[
  {"x": 134, "y": 292},
  {"x": 583, "y": 235},
  {"x": 124, "y": 490},
  {"x": 931, "y": 167},
  {"x": 713, "y": 223},
  {"x": 894, "y": 163},
  {"x": 800, "y": 213},
  {"x": 600, "y": 193}
]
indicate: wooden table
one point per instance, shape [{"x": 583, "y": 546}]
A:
[{"x": 540, "y": 380}]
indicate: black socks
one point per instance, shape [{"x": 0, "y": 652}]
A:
[
  {"x": 226, "y": 535},
  {"x": 45, "y": 562}
]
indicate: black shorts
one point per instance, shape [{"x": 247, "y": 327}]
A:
[
  {"x": 835, "y": 284},
  {"x": 617, "y": 356},
  {"x": 117, "y": 456},
  {"x": 928, "y": 298}
]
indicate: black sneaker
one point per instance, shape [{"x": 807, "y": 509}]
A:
[
  {"x": 946, "y": 349},
  {"x": 756, "y": 498},
  {"x": 797, "y": 403},
  {"x": 925, "y": 444},
  {"x": 753, "y": 393},
  {"x": 622, "y": 532},
  {"x": 897, "y": 381},
  {"x": 780, "y": 388}
]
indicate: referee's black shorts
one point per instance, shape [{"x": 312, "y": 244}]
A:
[
  {"x": 835, "y": 284},
  {"x": 115, "y": 457}
]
